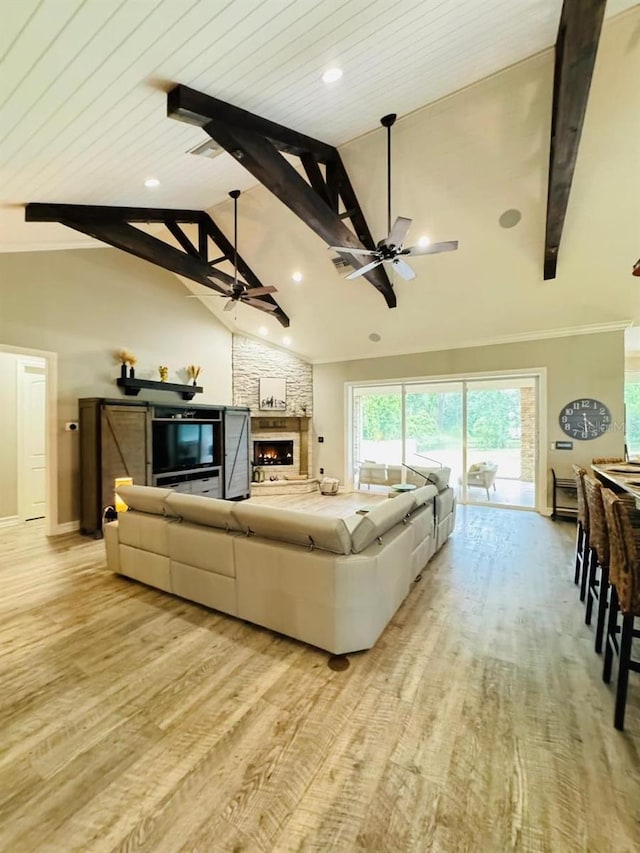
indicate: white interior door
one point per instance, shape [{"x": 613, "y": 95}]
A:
[{"x": 33, "y": 460}]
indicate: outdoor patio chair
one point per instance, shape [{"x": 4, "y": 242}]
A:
[{"x": 482, "y": 474}]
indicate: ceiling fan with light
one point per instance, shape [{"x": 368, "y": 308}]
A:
[
  {"x": 239, "y": 291},
  {"x": 391, "y": 249}
]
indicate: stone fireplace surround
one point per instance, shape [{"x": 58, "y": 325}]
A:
[{"x": 296, "y": 429}]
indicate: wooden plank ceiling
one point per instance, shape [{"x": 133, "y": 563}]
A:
[{"x": 82, "y": 91}]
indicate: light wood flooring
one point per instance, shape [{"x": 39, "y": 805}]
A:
[{"x": 131, "y": 720}]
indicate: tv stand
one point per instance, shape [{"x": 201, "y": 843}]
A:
[
  {"x": 116, "y": 440},
  {"x": 207, "y": 482}
]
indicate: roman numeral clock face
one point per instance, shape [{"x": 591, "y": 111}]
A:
[{"x": 585, "y": 419}]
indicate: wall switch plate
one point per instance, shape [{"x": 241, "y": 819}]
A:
[{"x": 320, "y": 439}]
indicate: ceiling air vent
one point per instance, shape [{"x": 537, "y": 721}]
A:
[
  {"x": 341, "y": 264},
  {"x": 209, "y": 148}
]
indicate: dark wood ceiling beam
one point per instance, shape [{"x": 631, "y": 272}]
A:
[
  {"x": 203, "y": 242},
  {"x": 258, "y": 144},
  {"x": 575, "y": 56},
  {"x": 177, "y": 232},
  {"x": 316, "y": 179},
  {"x": 44, "y": 212},
  {"x": 122, "y": 235},
  {"x": 343, "y": 186},
  {"x": 266, "y": 164},
  {"x": 188, "y": 105},
  {"x": 112, "y": 225}
]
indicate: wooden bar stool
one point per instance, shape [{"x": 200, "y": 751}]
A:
[
  {"x": 623, "y": 522},
  {"x": 598, "y": 578},
  {"x": 582, "y": 533}
]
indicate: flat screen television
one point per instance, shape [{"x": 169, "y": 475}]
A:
[{"x": 181, "y": 445}]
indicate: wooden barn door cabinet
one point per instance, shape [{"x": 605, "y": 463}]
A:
[{"x": 114, "y": 442}]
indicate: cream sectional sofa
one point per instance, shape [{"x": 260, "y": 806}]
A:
[{"x": 332, "y": 582}]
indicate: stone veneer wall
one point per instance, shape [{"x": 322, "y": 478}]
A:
[
  {"x": 527, "y": 434},
  {"x": 254, "y": 360}
]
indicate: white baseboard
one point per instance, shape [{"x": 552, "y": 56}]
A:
[
  {"x": 9, "y": 521},
  {"x": 67, "y": 527}
]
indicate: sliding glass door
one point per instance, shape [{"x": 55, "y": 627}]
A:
[
  {"x": 501, "y": 441},
  {"x": 483, "y": 429},
  {"x": 433, "y": 426},
  {"x": 377, "y": 425}
]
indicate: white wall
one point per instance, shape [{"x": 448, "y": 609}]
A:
[
  {"x": 578, "y": 366},
  {"x": 84, "y": 305}
]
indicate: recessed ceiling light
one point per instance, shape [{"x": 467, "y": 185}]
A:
[
  {"x": 297, "y": 276},
  {"x": 332, "y": 75},
  {"x": 424, "y": 240},
  {"x": 150, "y": 183},
  {"x": 263, "y": 331},
  {"x": 286, "y": 340},
  {"x": 375, "y": 337},
  {"x": 510, "y": 218}
]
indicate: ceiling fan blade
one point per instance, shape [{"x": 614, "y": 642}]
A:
[
  {"x": 398, "y": 231},
  {"x": 257, "y": 303},
  {"x": 403, "y": 269},
  {"x": 261, "y": 291},
  {"x": 432, "y": 249},
  {"x": 206, "y": 295},
  {"x": 362, "y": 270},
  {"x": 348, "y": 251},
  {"x": 230, "y": 305}
]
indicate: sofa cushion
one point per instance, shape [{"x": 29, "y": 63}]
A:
[
  {"x": 379, "y": 520},
  {"x": 444, "y": 504},
  {"x": 298, "y": 528},
  {"x": 424, "y": 494},
  {"x": 211, "y": 512},
  {"x": 420, "y": 476},
  {"x": 145, "y": 498},
  {"x": 145, "y": 530}
]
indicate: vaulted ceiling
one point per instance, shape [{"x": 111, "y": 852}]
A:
[{"x": 83, "y": 92}]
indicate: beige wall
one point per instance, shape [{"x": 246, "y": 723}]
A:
[
  {"x": 579, "y": 366},
  {"x": 8, "y": 436},
  {"x": 84, "y": 305}
]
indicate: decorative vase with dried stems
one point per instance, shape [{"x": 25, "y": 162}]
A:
[
  {"x": 194, "y": 371},
  {"x": 126, "y": 358}
]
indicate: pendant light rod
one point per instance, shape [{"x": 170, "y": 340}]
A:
[
  {"x": 234, "y": 195},
  {"x": 388, "y": 121}
]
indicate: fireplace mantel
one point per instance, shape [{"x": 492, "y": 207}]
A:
[{"x": 272, "y": 423}]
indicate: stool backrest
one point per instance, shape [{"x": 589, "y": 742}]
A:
[
  {"x": 598, "y": 534},
  {"x": 606, "y": 460},
  {"x": 623, "y": 522},
  {"x": 583, "y": 509}
]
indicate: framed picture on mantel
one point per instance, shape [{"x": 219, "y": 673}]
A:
[{"x": 273, "y": 395}]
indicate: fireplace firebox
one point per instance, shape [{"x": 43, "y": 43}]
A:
[{"x": 273, "y": 452}]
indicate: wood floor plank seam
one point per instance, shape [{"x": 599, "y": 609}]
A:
[{"x": 134, "y": 720}]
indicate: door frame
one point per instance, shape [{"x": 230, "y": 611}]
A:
[
  {"x": 23, "y": 363},
  {"x": 540, "y": 374},
  {"x": 26, "y": 355}
]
